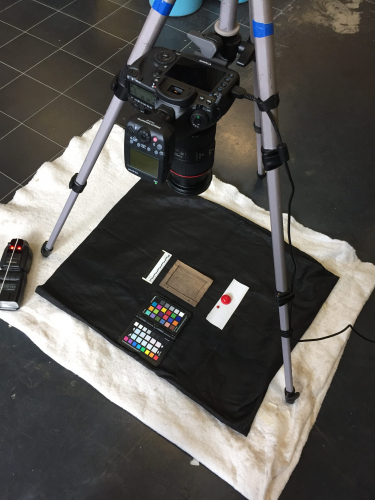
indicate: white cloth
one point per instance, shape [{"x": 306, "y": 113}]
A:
[{"x": 258, "y": 465}]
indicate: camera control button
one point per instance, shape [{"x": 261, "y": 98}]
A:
[
  {"x": 148, "y": 149},
  {"x": 231, "y": 75},
  {"x": 159, "y": 147},
  {"x": 201, "y": 98},
  {"x": 156, "y": 151},
  {"x": 139, "y": 144},
  {"x": 227, "y": 79},
  {"x": 144, "y": 135},
  {"x": 219, "y": 89},
  {"x": 199, "y": 119},
  {"x": 165, "y": 56},
  {"x": 209, "y": 101},
  {"x": 224, "y": 84}
]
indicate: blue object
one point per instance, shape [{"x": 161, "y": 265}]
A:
[
  {"x": 180, "y": 8},
  {"x": 164, "y": 8},
  {"x": 261, "y": 30}
]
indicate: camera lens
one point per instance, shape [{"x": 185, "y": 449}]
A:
[{"x": 191, "y": 170}]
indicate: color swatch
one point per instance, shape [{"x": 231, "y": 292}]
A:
[
  {"x": 166, "y": 316},
  {"x": 147, "y": 342}
]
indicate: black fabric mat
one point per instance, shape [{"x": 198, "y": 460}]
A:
[{"x": 226, "y": 371}]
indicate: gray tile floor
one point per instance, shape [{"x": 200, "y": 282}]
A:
[{"x": 61, "y": 439}]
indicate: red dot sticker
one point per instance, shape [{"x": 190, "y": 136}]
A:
[{"x": 225, "y": 299}]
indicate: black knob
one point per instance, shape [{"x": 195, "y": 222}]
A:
[
  {"x": 199, "y": 119},
  {"x": 144, "y": 135},
  {"x": 165, "y": 56}
]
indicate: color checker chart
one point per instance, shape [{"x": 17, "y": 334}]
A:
[
  {"x": 166, "y": 316},
  {"x": 147, "y": 342},
  {"x": 148, "y": 333}
]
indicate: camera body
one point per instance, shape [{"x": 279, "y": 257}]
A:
[{"x": 185, "y": 96}]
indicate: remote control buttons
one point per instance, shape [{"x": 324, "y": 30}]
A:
[
  {"x": 144, "y": 135},
  {"x": 225, "y": 299}
]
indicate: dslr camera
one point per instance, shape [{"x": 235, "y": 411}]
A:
[{"x": 179, "y": 99}]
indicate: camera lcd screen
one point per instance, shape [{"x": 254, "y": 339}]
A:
[
  {"x": 145, "y": 163},
  {"x": 142, "y": 94},
  {"x": 197, "y": 75}
]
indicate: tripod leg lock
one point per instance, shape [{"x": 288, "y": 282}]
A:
[
  {"x": 274, "y": 158},
  {"x": 73, "y": 184},
  {"x": 271, "y": 103},
  {"x": 286, "y": 334},
  {"x": 283, "y": 298},
  {"x": 290, "y": 397}
]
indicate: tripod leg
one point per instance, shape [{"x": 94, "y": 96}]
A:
[
  {"x": 265, "y": 57},
  {"x": 80, "y": 180},
  {"x": 260, "y": 173},
  {"x": 145, "y": 41},
  {"x": 227, "y": 24}
]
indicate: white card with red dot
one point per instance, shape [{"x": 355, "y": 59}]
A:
[{"x": 227, "y": 304}]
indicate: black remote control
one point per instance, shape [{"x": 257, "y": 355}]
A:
[{"x": 14, "y": 266}]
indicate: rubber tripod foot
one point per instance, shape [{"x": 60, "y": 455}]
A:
[
  {"x": 45, "y": 251},
  {"x": 261, "y": 176},
  {"x": 290, "y": 397}
]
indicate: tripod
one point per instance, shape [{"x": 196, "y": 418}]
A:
[{"x": 227, "y": 29}]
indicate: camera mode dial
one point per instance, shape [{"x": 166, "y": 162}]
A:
[
  {"x": 144, "y": 135},
  {"x": 165, "y": 56},
  {"x": 199, "y": 119}
]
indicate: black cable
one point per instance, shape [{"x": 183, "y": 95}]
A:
[
  {"x": 334, "y": 335},
  {"x": 279, "y": 138}
]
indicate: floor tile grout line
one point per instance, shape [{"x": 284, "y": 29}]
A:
[
  {"x": 283, "y": 10},
  {"x": 183, "y": 48},
  {"x": 26, "y": 31},
  {"x": 62, "y": 47},
  {"x": 54, "y": 156},
  {"x": 9, "y": 6},
  {"x": 88, "y": 24},
  {"x": 27, "y": 126},
  {"x": 54, "y": 8},
  {"x": 59, "y": 48},
  {"x": 210, "y": 25},
  {"x": 10, "y": 178},
  {"x": 60, "y": 93},
  {"x": 145, "y": 15},
  {"x": 13, "y": 129},
  {"x": 10, "y": 192},
  {"x": 68, "y": 15}
]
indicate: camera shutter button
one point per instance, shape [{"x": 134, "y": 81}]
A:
[{"x": 144, "y": 135}]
